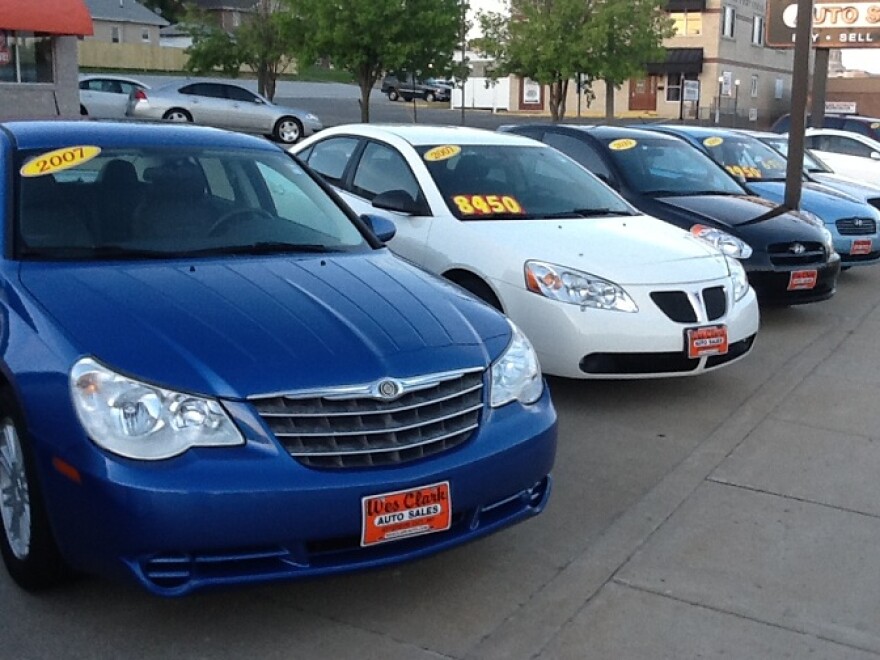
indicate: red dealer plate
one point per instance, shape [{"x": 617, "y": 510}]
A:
[
  {"x": 711, "y": 340},
  {"x": 801, "y": 280},
  {"x": 406, "y": 513},
  {"x": 860, "y": 246}
]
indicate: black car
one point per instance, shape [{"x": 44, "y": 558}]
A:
[
  {"x": 869, "y": 126},
  {"x": 789, "y": 259},
  {"x": 406, "y": 86}
]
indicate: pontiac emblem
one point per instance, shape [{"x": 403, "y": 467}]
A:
[
  {"x": 389, "y": 389},
  {"x": 798, "y": 248}
]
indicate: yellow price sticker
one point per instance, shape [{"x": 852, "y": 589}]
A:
[
  {"x": 60, "y": 159},
  {"x": 443, "y": 152},
  {"x": 875, "y": 125},
  {"x": 745, "y": 171},
  {"x": 487, "y": 204},
  {"x": 713, "y": 141},
  {"x": 622, "y": 144}
]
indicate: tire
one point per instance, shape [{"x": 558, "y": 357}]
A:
[
  {"x": 177, "y": 115},
  {"x": 478, "y": 288},
  {"x": 288, "y": 130},
  {"x": 430, "y": 98},
  {"x": 26, "y": 542},
  {"x": 393, "y": 95}
]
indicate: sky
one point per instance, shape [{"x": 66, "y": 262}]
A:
[{"x": 864, "y": 59}]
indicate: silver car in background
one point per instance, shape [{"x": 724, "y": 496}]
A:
[
  {"x": 106, "y": 96},
  {"x": 222, "y": 105}
]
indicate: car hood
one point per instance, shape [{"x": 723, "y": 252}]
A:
[
  {"x": 262, "y": 325},
  {"x": 625, "y": 249},
  {"x": 827, "y": 203},
  {"x": 850, "y": 186}
]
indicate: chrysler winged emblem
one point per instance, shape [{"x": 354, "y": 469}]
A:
[{"x": 388, "y": 389}]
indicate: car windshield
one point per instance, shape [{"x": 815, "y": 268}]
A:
[
  {"x": 812, "y": 164},
  {"x": 665, "y": 167},
  {"x": 746, "y": 156},
  {"x": 500, "y": 182},
  {"x": 84, "y": 202}
]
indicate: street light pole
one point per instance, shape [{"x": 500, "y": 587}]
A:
[
  {"x": 735, "y": 100},
  {"x": 718, "y": 102}
]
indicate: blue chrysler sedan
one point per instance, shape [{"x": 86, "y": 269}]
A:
[{"x": 213, "y": 373}]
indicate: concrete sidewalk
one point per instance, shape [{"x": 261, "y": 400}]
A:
[{"x": 763, "y": 543}]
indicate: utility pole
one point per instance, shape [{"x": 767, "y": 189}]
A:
[{"x": 800, "y": 80}]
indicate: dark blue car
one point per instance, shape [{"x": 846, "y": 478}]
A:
[{"x": 213, "y": 373}]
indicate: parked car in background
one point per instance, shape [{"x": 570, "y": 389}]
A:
[
  {"x": 849, "y": 154},
  {"x": 853, "y": 224},
  {"x": 789, "y": 258},
  {"x": 601, "y": 290},
  {"x": 106, "y": 96},
  {"x": 869, "y": 126},
  {"x": 213, "y": 373},
  {"x": 223, "y": 105},
  {"x": 817, "y": 170},
  {"x": 406, "y": 86}
]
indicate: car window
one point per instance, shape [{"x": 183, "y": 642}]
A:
[
  {"x": 380, "y": 169},
  {"x": 580, "y": 151},
  {"x": 239, "y": 94},
  {"x": 746, "y": 156},
  {"x": 127, "y": 87},
  {"x": 811, "y": 163},
  {"x": 507, "y": 182},
  {"x": 210, "y": 90},
  {"x": 156, "y": 202},
  {"x": 856, "y": 126},
  {"x": 330, "y": 157},
  {"x": 844, "y": 145},
  {"x": 668, "y": 167}
]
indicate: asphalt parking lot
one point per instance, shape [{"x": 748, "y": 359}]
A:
[
  {"x": 734, "y": 515},
  {"x": 731, "y": 515}
]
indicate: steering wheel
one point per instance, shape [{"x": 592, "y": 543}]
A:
[{"x": 222, "y": 223}]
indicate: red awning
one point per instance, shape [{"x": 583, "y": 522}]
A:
[{"x": 52, "y": 16}]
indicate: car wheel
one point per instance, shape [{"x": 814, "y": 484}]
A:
[
  {"x": 430, "y": 98},
  {"x": 477, "y": 287},
  {"x": 288, "y": 130},
  {"x": 177, "y": 114},
  {"x": 407, "y": 99},
  {"x": 28, "y": 548},
  {"x": 393, "y": 95}
]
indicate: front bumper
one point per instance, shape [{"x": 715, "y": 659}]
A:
[
  {"x": 591, "y": 343},
  {"x": 214, "y": 517},
  {"x": 771, "y": 283}
]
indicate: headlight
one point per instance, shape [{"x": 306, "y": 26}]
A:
[
  {"x": 739, "y": 277},
  {"x": 728, "y": 244},
  {"x": 573, "y": 286},
  {"x": 516, "y": 375},
  {"x": 142, "y": 421}
]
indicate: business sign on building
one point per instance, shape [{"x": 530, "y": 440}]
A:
[
  {"x": 841, "y": 107},
  {"x": 853, "y": 24}
]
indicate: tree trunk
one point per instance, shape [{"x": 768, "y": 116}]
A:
[
  {"x": 366, "y": 85},
  {"x": 609, "y": 100}
]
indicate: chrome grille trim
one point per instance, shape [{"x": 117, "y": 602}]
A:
[
  {"x": 355, "y": 426},
  {"x": 856, "y": 226},
  {"x": 395, "y": 429}
]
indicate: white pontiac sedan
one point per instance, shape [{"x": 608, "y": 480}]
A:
[{"x": 601, "y": 290}]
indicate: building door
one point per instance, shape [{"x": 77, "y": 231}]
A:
[{"x": 643, "y": 93}]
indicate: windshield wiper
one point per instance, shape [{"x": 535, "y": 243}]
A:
[
  {"x": 586, "y": 213},
  {"x": 100, "y": 252},
  {"x": 688, "y": 193},
  {"x": 264, "y": 247}
]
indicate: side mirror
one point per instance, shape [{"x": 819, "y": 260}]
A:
[
  {"x": 381, "y": 226},
  {"x": 875, "y": 155},
  {"x": 398, "y": 201}
]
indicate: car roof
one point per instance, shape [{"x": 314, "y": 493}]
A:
[
  {"x": 47, "y": 134},
  {"x": 98, "y": 76},
  {"x": 760, "y": 134},
  {"x": 420, "y": 135},
  {"x": 606, "y": 132},
  {"x": 698, "y": 131}
]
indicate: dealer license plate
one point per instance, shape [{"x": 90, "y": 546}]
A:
[
  {"x": 709, "y": 340},
  {"x": 800, "y": 280},
  {"x": 406, "y": 513},
  {"x": 860, "y": 246}
]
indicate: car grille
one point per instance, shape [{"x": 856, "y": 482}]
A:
[
  {"x": 677, "y": 305},
  {"x": 789, "y": 254},
  {"x": 856, "y": 226},
  {"x": 352, "y": 427}
]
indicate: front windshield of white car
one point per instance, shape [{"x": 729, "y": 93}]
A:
[
  {"x": 668, "y": 167},
  {"x": 811, "y": 163},
  {"x": 85, "y": 202},
  {"x": 501, "y": 182}
]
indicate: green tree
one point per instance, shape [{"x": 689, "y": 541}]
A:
[
  {"x": 266, "y": 43},
  {"x": 369, "y": 37},
  {"x": 624, "y": 37}
]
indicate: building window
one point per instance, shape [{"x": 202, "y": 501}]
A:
[
  {"x": 114, "y": 34},
  {"x": 673, "y": 87},
  {"x": 236, "y": 19},
  {"x": 780, "y": 87},
  {"x": 145, "y": 35},
  {"x": 758, "y": 30},
  {"x": 728, "y": 22},
  {"x": 753, "y": 90},
  {"x": 26, "y": 57},
  {"x": 687, "y": 24}
]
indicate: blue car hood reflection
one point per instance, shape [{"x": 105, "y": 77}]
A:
[
  {"x": 821, "y": 200},
  {"x": 250, "y": 325}
]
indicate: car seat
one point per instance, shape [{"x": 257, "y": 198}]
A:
[{"x": 47, "y": 219}]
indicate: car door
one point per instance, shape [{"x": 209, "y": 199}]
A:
[
  {"x": 842, "y": 156},
  {"x": 247, "y": 112},
  {"x": 103, "y": 98},
  {"x": 207, "y": 103}
]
